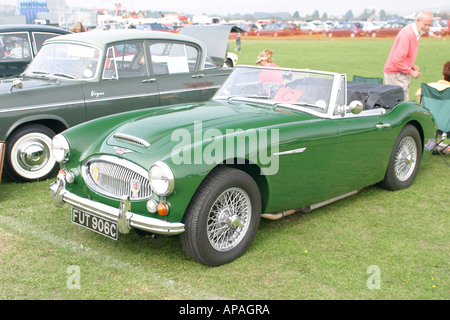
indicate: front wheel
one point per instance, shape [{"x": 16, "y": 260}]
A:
[
  {"x": 405, "y": 159},
  {"x": 222, "y": 218},
  {"x": 28, "y": 154}
]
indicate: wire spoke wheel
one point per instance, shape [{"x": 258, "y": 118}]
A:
[
  {"x": 222, "y": 218},
  {"x": 229, "y": 219},
  {"x": 405, "y": 159}
]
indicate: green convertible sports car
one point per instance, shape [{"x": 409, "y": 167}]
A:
[{"x": 269, "y": 143}]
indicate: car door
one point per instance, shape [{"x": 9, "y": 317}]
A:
[
  {"x": 305, "y": 159},
  {"x": 213, "y": 77},
  {"x": 175, "y": 68},
  {"x": 125, "y": 83},
  {"x": 363, "y": 150}
]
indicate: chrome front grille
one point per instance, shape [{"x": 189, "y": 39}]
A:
[{"x": 116, "y": 177}]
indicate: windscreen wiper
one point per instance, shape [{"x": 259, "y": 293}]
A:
[{"x": 68, "y": 76}]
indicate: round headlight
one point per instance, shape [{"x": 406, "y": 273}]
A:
[
  {"x": 161, "y": 178},
  {"x": 60, "y": 148}
]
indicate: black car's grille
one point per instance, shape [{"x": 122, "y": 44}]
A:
[{"x": 116, "y": 177}]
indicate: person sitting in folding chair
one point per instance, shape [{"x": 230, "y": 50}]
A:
[
  {"x": 438, "y": 103},
  {"x": 441, "y": 84}
]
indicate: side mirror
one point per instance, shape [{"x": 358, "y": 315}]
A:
[
  {"x": 356, "y": 107},
  {"x": 16, "y": 84}
]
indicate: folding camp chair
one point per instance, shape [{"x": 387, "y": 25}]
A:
[
  {"x": 438, "y": 103},
  {"x": 368, "y": 79}
]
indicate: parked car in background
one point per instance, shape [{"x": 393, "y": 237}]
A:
[
  {"x": 369, "y": 26},
  {"x": 311, "y": 28},
  {"x": 348, "y": 29},
  {"x": 80, "y": 77},
  {"x": 156, "y": 27},
  {"x": 438, "y": 28},
  {"x": 108, "y": 26},
  {"x": 19, "y": 44},
  {"x": 270, "y": 143},
  {"x": 248, "y": 29},
  {"x": 389, "y": 29},
  {"x": 273, "y": 30}
]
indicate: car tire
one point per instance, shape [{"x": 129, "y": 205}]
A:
[
  {"x": 28, "y": 154},
  {"x": 373, "y": 35},
  {"x": 217, "y": 230},
  {"x": 330, "y": 35},
  {"x": 404, "y": 161},
  {"x": 229, "y": 63},
  {"x": 352, "y": 35}
]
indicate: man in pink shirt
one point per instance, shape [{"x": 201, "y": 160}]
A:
[{"x": 400, "y": 67}]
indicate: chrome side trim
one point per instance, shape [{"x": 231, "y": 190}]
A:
[
  {"x": 123, "y": 215},
  {"x": 42, "y": 106},
  {"x": 300, "y": 150}
]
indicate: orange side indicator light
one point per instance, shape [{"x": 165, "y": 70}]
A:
[{"x": 163, "y": 209}]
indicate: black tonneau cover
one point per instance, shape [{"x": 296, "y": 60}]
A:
[{"x": 374, "y": 95}]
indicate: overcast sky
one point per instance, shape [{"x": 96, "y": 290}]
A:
[
  {"x": 331, "y": 7},
  {"x": 223, "y": 7}
]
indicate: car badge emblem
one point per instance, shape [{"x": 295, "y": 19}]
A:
[
  {"x": 135, "y": 186},
  {"x": 122, "y": 151}
]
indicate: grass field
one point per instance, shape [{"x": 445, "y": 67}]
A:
[{"x": 374, "y": 245}]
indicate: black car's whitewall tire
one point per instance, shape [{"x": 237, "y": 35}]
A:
[
  {"x": 222, "y": 218},
  {"x": 28, "y": 154}
]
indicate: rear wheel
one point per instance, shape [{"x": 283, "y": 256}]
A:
[
  {"x": 405, "y": 159},
  {"x": 222, "y": 218},
  {"x": 28, "y": 154}
]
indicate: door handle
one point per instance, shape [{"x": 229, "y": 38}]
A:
[
  {"x": 149, "y": 80},
  {"x": 383, "y": 125}
]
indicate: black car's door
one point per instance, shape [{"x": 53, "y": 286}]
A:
[
  {"x": 125, "y": 82},
  {"x": 175, "y": 67}
]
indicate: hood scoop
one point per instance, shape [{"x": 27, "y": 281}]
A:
[{"x": 131, "y": 139}]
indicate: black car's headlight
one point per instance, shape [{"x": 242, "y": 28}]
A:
[
  {"x": 161, "y": 179},
  {"x": 60, "y": 148}
]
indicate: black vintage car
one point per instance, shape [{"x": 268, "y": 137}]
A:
[{"x": 19, "y": 44}]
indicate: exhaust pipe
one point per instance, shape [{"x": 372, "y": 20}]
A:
[{"x": 282, "y": 214}]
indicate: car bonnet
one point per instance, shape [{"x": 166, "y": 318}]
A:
[
  {"x": 215, "y": 37},
  {"x": 164, "y": 129}
]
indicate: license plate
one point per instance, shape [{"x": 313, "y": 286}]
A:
[{"x": 105, "y": 227}]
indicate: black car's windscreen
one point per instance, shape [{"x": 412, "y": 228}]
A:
[{"x": 65, "y": 60}]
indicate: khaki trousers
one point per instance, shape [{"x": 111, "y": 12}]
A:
[{"x": 399, "y": 79}]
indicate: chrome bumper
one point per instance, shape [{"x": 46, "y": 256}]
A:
[{"x": 123, "y": 215}]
